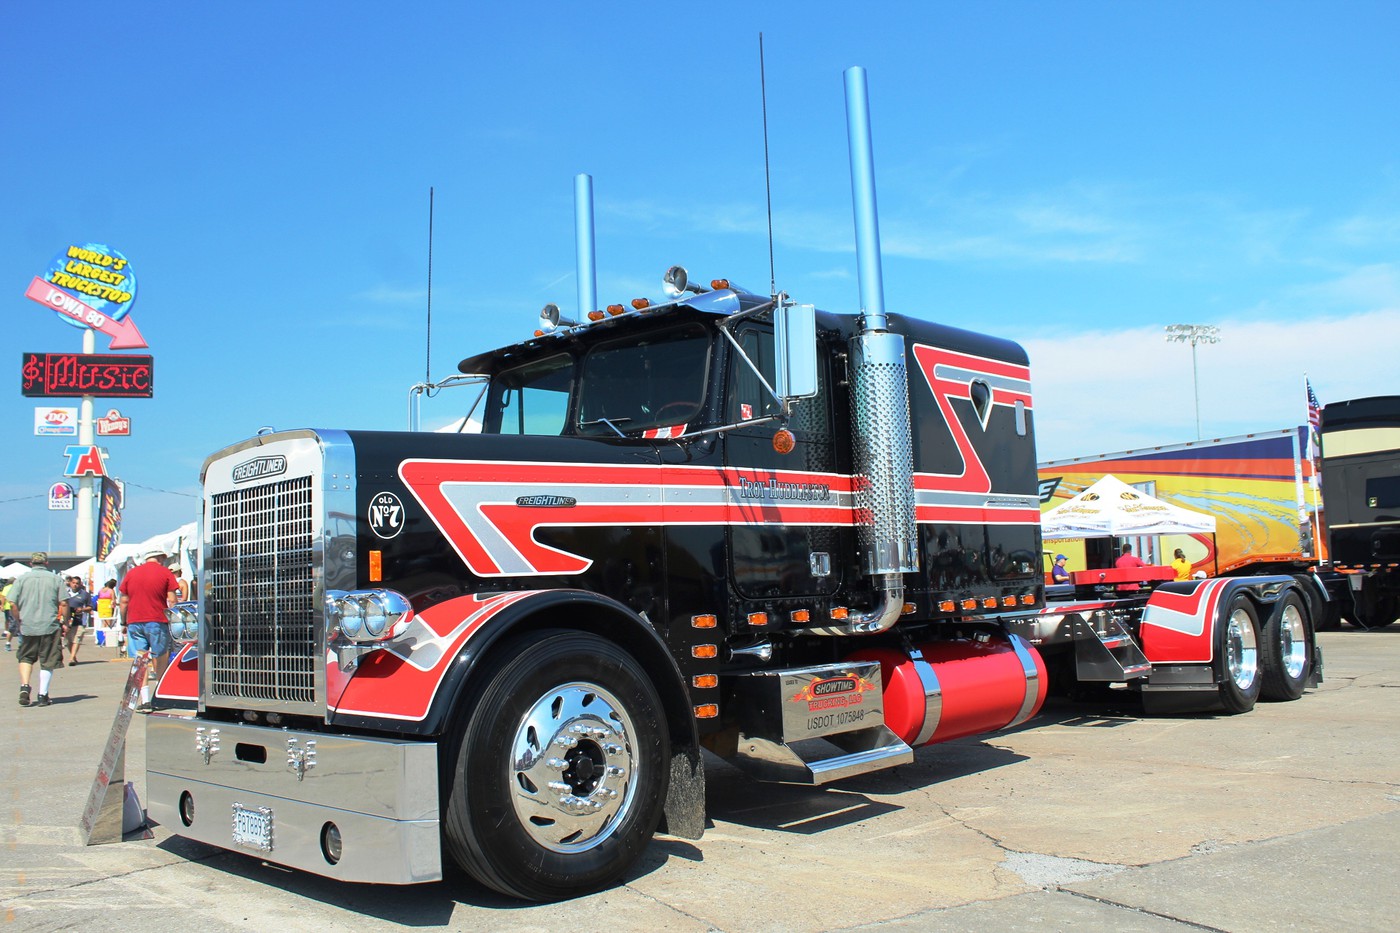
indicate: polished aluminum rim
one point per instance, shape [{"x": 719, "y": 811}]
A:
[
  {"x": 1293, "y": 648},
  {"x": 1241, "y": 649},
  {"x": 572, "y": 765}
]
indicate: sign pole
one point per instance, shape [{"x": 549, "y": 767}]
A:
[{"x": 86, "y": 535}]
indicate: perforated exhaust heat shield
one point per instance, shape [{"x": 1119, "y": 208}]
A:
[{"x": 884, "y": 456}]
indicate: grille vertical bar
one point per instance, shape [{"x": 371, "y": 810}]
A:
[{"x": 260, "y": 641}]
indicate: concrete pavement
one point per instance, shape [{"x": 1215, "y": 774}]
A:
[{"x": 1091, "y": 817}]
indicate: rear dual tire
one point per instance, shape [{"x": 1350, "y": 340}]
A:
[
  {"x": 1237, "y": 657},
  {"x": 1285, "y": 650}
]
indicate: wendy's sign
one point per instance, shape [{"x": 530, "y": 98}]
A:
[{"x": 50, "y": 375}]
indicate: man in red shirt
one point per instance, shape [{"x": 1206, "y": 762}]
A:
[
  {"x": 1126, "y": 561},
  {"x": 144, "y": 593}
]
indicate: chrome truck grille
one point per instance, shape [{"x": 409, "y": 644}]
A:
[{"x": 260, "y": 618}]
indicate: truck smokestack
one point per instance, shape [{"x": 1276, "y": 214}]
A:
[
  {"x": 872, "y": 287},
  {"x": 887, "y": 534},
  {"x": 583, "y": 243}
]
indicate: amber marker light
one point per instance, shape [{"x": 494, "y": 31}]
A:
[
  {"x": 615, "y": 310},
  {"x": 376, "y": 566},
  {"x": 989, "y": 602},
  {"x": 704, "y": 681},
  {"x": 969, "y": 604},
  {"x": 641, "y": 304},
  {"x": 539, "y": 333},
  {"x": 840, "y": 612},
  {"x": 758, "y": 618},
  {"x": 947, "y": 606},
  {"x": 707, "y": 711},
  {"x": 595, "y": 316},
  {"x": 704, "y": 651},
  {"x": 784, "y": 441},
  {"x": 1028, "y": 599},
  {"x": 1008, "y": 600},
  {"x": 906, "y": 609},
  {"x": 705, "y": 621},
  {"x": 718, "y": 284},
  {"x": 801, "y": 615}
]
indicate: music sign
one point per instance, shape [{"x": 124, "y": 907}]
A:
[{"x": 55, "y": 375}]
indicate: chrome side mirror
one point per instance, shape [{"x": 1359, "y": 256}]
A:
[{"x": 795, "y": 332}]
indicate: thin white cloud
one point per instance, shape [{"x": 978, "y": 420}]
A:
[
  {"x": 392, "y": 295},
  {"x": 1119, "y": 390}
]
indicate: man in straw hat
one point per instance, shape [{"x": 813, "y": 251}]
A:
[
  {"x": 144, "y": 592},
  {"x": 43, "y": 614}
]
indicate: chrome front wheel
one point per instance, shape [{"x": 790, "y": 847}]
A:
[{"x": 561, "y": 767}]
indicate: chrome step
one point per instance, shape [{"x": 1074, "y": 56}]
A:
[
  {"x": 1105, "y": 651},
  {"x": 803, "y": 762}
]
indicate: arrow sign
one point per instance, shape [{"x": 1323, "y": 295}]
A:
[{"x": 124, "y": 334}]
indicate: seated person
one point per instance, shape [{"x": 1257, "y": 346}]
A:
[{"x": 1058, "y": 573}]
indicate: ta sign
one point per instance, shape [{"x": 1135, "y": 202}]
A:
[{"x": 84, "y": 461}]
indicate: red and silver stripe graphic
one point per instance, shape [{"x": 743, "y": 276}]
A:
[{"x": 400, "y": 681}]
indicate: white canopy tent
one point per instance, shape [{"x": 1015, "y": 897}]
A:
[
  {"x": 1112, "y": 508},
  {"x": 178, "y": 546}
]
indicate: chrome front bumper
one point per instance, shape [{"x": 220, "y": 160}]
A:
[{"x": 381, "y": 794}]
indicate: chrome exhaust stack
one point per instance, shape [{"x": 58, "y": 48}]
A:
[
  {"x": 887, "y": 535},
  {"x": 585, "y": 269}
]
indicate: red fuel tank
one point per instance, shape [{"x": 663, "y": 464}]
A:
[{"x": 951, "y": 689}]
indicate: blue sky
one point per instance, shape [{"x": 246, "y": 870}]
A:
[{"x": 1072, "y": 176}]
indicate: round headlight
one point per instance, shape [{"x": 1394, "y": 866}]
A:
[
  {"x": 352, "y": 618},
  {"x": 376, "y": 621}
]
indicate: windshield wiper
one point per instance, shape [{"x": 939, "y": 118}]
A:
[{"x": 616, "y": 429}]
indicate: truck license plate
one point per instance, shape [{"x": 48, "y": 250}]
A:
[{"x": 252, "y": 827}]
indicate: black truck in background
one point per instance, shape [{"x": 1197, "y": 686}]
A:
[{"x": 1361, "y": 490}]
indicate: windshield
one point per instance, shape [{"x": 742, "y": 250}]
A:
[
  {"x": 629, "y": 385},
  {"x": 638, "y": 384}
]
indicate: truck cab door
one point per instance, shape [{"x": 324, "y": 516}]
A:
[{"x": 795, "y": 526}]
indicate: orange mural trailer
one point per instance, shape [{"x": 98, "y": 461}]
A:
[{"x": 1260, "y": 487}]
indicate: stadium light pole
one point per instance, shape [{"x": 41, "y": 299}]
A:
[{"x": 1194, "y": 334}]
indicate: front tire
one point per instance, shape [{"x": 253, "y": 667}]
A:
[
  {"x": 561, "y": 772},
  {"x": 1284, "y": 651},
  {"x": 1237, "y": 657}
]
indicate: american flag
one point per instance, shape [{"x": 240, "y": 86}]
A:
[{"x": 1314, "y": 422}]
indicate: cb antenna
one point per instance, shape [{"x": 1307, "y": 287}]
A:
[
  {"x": 428, "y": 362},
  {"x": 767, "y": 175}
]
